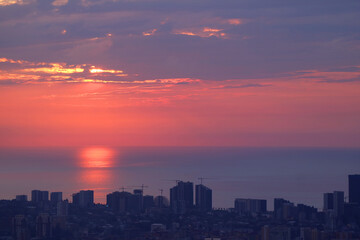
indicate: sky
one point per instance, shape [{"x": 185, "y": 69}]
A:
[{"x": 180, "y": 73}]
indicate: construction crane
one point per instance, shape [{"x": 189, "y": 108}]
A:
[
  {"x": 123, "y": 188},
  {"x": 142, "y": 187},
  {"x": 202, "y": 178},
  {"x": 172, "y": 180}
]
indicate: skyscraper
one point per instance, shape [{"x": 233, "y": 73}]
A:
[
  {"x": 339, "y": 203},
  {"x": 203, "y": 198},
  {"x": 354, "y": 188},
  {"x": 20, "y": 228},
  {"x": 56, "y": 197},
  {"x": 328, "y": 201},
  {"x": 21, "y": 198},
  {"x": 182, "y": 197},
  {"x": 84, "y": 198},
  {"x": 39, "y": 196},
  {"x": 248, "y": 206},
  {"x": 62, "y": 208},
  {"x": 43, "y": 226}
]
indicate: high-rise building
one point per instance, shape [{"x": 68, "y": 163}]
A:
[
  {"x": 338, "y": 203},
  {"x": 125, "y": 201},
  {"x": 282, "y": 208},
  {"x": 84, "y": 198},
  {"x": 182, "y": 197},
  {"x": 56, "y": 197},
  {"x": 161, "y": 202},
  {"x": 43, "y": 226},
  {"x": 39, "y": 196},
  {"x": 62, "y": 208},
  {"x": 203, "y": 198},
  {"x": 20, "y": 228},
  {"x": 136, "y": 202},
  {"x": 148, "y": 202},
  {"x": 21, "y": 198},
  {"x": 328, "y": 201},
  {"x": 248, "y": 206},
  {"x": 354, "y": 188}
]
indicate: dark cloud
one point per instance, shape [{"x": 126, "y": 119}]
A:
[{"x": 273, "y": 38}]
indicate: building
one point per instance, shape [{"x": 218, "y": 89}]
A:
[
  {"x": 62, "y": 208},
  {"x": 328, "y": 201},
  {"x": 354, "y": 189},
  {"x": 161, "y": 202},
  {"x": 203, "y": 198},
  {"x": 182, "y": 197},
  {"x": 39, "y": 196},
  {"x": 338, "y": 203},
  {"x": 84, "y": 198},
  {"x": 148, "y": 202},
  {"x": 21, "y": 198},
  {"x": 121, "y": 202},
  {"x": 136, "y": 202},
  {"x": 43, "y": 226},
  {"x": 56, "y": 197},
  {"x": 250, "y": 206},
  {"x": 284, "y": 209},
  {"x": 20, "y": 228}
]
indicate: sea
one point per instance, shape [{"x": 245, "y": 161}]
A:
[{"x": 300, "y": 175}]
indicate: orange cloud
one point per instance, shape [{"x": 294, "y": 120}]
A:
[
  {"x": 40, "y": 72},
  {"x": 99, "y": 70},
  {"x": 11, "y": 2},
  {"x": 58, "y": 3},
  {"x": 235, "y": 21},
  {"x": 56, "y": 68},
  {"x": 149, "y": 33},
  {"x": 205, "y": 32}
]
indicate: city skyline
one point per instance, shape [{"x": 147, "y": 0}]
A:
[
  {"x": 179, "y": 119},
  {"x": 254, "y": 172},
  {"x": 192, "y": 196}
]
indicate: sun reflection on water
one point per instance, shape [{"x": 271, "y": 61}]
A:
[
  {"x": 97, "y": 157},
  {"x": 96, "y": 165}
]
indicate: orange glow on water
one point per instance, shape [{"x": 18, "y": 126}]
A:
[{"x": 97, "y": 157}]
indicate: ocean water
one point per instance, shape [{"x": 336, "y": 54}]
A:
[{"x": 300, "y": 175}]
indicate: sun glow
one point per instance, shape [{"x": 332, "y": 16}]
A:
[{"x": 97, "y": 157}]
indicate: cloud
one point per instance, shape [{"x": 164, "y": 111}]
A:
[
  {"x": 12, "y": 2},
  {"x": 249, "y": 85},
  {"x": 58, "y": 3},
  {"x": 170, "y": 39}
]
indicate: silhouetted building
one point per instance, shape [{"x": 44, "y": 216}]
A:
[
  {"x": 148, "y": 202},
  {"x": 83, "y": 198},
  {"x": 21, "y": 198},
  {"x": 20, "y": 228},
  {"x": 39, "y": 196},
  {"x": 182, "y": 197},
  {"x": 161, "y": 202},
  {"x": 284, "y": 209},
  {"x": 56, "y": 197},
  {"x": 338, "y": 203},
  {"x": 123, "y": 202},
  {"x": 306, "y": 213},
  {"x": 354, "y": 189},
  {"x": 203, "y": 198},
  {"x": 328, "y": 201},
  {"x": 43, "y": 226},
  {"x": 136, "y": 202},
  {"x": 250, "y": 206},
  {"x": 62, "y": 208}
]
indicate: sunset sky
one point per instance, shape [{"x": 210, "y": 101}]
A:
[{"x": 179, "y": 73}]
